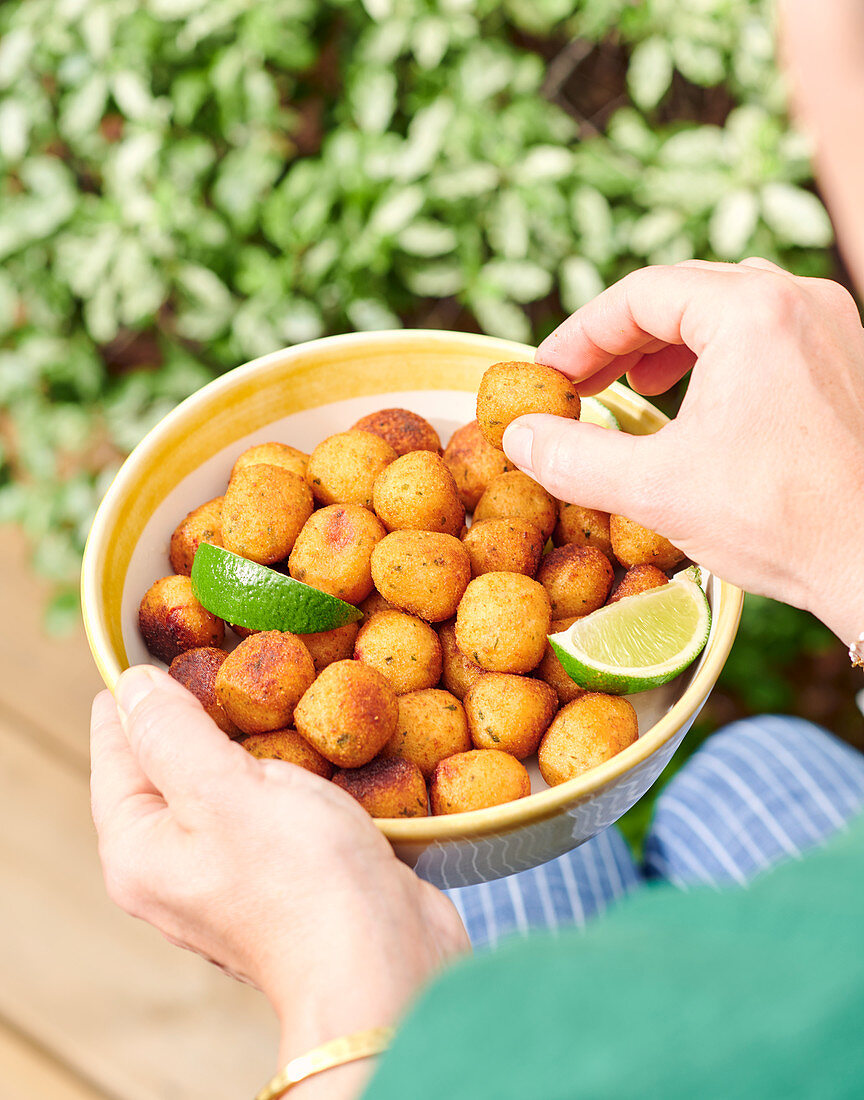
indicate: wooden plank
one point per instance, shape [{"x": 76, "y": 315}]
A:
[
  {"x": 48, "y": 683},
  {"x": 27, "y": 1072},
  {"x": 115, "y": 1002}
]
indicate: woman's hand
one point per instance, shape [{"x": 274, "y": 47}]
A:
[
  {"x": 272, "y": 873},
  {"x": 760, "y": 478}
]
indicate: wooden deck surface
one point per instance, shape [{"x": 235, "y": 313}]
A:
[{"x": 93, "y": 1004}]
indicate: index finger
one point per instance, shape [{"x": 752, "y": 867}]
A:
[{"x": 654, "y": 306}]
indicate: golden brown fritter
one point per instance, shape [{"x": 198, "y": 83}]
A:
[
  {"x": 288, "y": 745},
  {"x": 196, "y": 670},
  {"x": 264, "y": 510},
  {"x": 510, "y": 713},
  {"x": 348, "y": 714},
  {"x": 431, "y": 727},
  {"x": 638, "y": 578},
  {"x": 171, "y": 620},
  {"x": 591, "y": 729},
  {"x": 422, "y": 572},
  {"x": 457, "y": 672},
  {"x": 503, "y": 546},
  {"x": 517, "y": 496},
  {"x": 260, "y": 683},
  {"x": 417, "y": 493},
  {"x": 403, "y": 648},
  {"x": 473, "y": 463},
  {"x": 327, "y": 646},
  {"x": 502, "y": 622},
  {"x": 203, "y": 524},
  {"x": 386, "y": 788},
  {"x": 633, "y": 544},
  {"x": 582, "y": 527},
  {"x": 510, "y": 390},
  {"x": 551, "y": 671},
  {"x": 333, "y": 552},
  {"x": 577, "y": 578},
  {"x": 404, "y": 430},
  {"x": 274, "y": 454},
  {"x": 476, "y": 779},
  {"x": 373, "y": 603},
  {"x": 342, "y": 469}
]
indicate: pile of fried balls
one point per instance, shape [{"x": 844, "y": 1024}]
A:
[{"x": 448, "y": 683}]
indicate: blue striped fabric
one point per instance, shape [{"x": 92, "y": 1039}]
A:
[{"x": 758, "y": 792}]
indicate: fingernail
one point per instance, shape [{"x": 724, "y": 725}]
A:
[
  {"x": 518, "y": 445},
  {"x": 133, "y": 686}
]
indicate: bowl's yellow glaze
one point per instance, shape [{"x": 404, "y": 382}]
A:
[{"x": 312, "y": 385}]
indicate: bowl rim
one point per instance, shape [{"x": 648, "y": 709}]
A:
[{"x": 509, "y": 816}]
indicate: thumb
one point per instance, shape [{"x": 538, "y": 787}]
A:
[
  {"x": 177, "y": 744},
  {"x": 595, "y": 467}
]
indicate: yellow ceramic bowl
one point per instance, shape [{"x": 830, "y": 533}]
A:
[{"x": 299, "y": 396}]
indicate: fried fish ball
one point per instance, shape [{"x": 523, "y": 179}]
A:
[
  {"x": 327, "y": 646},
  {"x": 516, "y": 496},
  {"x": 274, "y": 454},
  {"x": 202, "y": 524},
  {"x": 633, "y": 544},
  {"x": 591, "y": 729},
  {"x": 638, "y": 578},
  {"x": 196, "y": 670},
  {"x": 423, "y": 572},
  {"x": 552, "y": 671},
  {"x": 373, "y": 603},
  {"x": 417, "y": 493},
  {"x": 404, "y": 430},
  {"x": 577, "y": 578},
  {"x": 473, "y": 462},
  {"x": 348, "y": 714},
  {"x": 264, "y": 511},
  {"x": 431, "y": 727},
  {"x": 476, "y": 779},
  {"x": 171, "y": 620},
  {"x": 403, "y": 648},
  {"x": 288, "y": 745},
  {"x": 386, "y": 788},
  {"x": 509, "y": 390},
  {"x": 457, "y": 672},
  {"x": 261, "y": 681},
  {"x": 503, "y": 546},
  {"x": 502, "y": 622},
  {"x": 342, "y": 469},
  {"x": 510, "y": 713},
  {"x": 582, "y": 527},
  {"x": 334, "y": 549}
]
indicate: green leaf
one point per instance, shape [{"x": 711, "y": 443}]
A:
[
  {"x": 367, "y": 314},
  {"x": 521, "y": 280},
  {"x": 500, "y": 318},
  {"x": 372, "y": 100},
  {"x": 649, "y": 73},
  {"x": 427, "y": 238},
  {"x": 580, "y": 282},
  {"x": 732, "y": 224},
  {"x": 796, "y": 216}
]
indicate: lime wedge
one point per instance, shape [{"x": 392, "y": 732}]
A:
[
  {"x": 595, "y": 412},
  {"x": 244, "y": 593},
  {"x": 637, "y": 643}
]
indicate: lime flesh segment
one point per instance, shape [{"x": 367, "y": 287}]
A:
[
  {"x": 638, "y": 643},
  {"x": 595, "y": 412},
  {"x": 244, "y": 593}
]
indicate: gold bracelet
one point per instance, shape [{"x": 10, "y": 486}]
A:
[{"x": 350, "y": 1048}]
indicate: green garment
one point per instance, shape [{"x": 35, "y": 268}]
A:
[{"x": 755, "y": 993}]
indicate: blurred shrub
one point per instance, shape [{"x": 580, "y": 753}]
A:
[{"x": 191, "y": 183}]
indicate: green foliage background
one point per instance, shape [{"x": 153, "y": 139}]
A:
[{"x": 187, "y": 184}]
